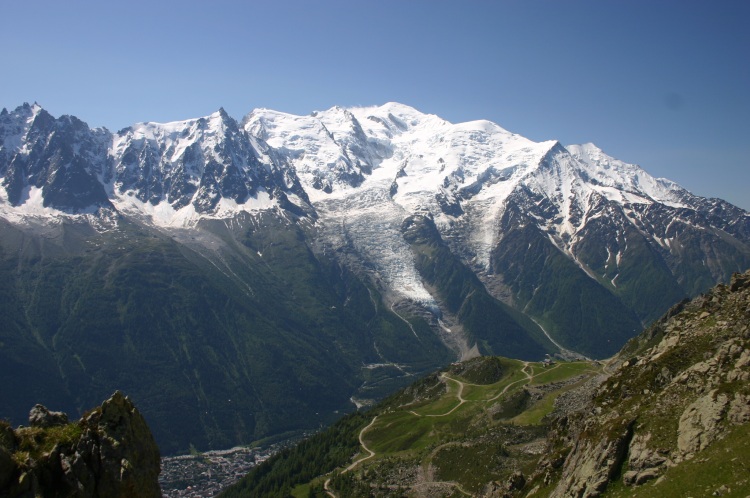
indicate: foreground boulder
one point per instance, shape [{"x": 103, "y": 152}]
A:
[{"x": 109, "y": 453}]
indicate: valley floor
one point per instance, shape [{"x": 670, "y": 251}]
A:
[{"x": 204, "y": 475}]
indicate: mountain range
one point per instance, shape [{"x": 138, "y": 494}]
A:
[{"x": 235, "y": 278}]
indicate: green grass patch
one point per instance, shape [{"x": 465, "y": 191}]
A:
[
  {"x": 512, "y": 405},
  {"x": 484, "y": 393},
  {"x": 561, "y": 371},
  {"x": 536, "y": 368},
  {"x": 443, "y": 404},
  {"x": 397, "y": 432},
  {"x": 485, "y": 370},
  {"x": 301, "y": 491},
  {"x": 535, "y": 414},
  {"x": 36, "y": 441},
  {"x": 516, "y": 380},
  {"x": 437, "y": 408}
]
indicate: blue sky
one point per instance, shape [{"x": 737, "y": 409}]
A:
[{"x": 664, "y": 84}]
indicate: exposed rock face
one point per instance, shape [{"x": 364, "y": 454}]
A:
[
  {"x": 699, "y": 423},
  {"x": 595, "y": 463},
  {"x": 109, "y": 453},
  {"x": 644, "y": 463}
]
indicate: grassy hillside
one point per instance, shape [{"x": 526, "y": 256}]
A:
[{"x": 449, "y": 431}]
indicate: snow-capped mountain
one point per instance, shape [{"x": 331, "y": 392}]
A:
[
  {"x": 51, "y": 163},
  {"x": 364, "y": 170},
  {"x": 188, "y": 169},
  {"x": 353, "y": 247},
  {"x": 172, "y": 173},
  {"x": 404, "y": 162},
  {"x": 482, "y": 185}
]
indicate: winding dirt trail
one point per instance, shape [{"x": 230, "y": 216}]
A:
[
  {"x": 327, "y": 483},
  {"x": 462, "y": 384},
  {"x": 459, "y": 395},
  {"x": 327, "y": 489},
  {"x": 364, "y": 446},
  {"x": 527, "y": 379}
]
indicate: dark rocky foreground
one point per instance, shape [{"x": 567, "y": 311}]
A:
[{"x": 109, "y": 452}]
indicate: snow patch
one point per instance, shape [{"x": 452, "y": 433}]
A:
[
  {"x": 165, "y": 215},
  {"x": 33, "y": 208}
]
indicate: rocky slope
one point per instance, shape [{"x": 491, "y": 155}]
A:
[
  {"x": 678, "y": 389},
  {"x": 109, "y": 452}
]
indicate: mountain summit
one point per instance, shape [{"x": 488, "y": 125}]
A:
[
  {"x": 539, "y": 223},
  {"x": 354, "y": 247}
]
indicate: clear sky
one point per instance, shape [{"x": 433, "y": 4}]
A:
[{"x": 664, "y": 84}]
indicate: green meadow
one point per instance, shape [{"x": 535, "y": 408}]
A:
[{"x": 448, "y": 435}]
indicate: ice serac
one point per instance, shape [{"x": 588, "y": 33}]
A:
[{"x": 638, "y": 242}]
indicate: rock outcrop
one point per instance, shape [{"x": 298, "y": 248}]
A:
[
  {"x": 595, "y": 462},
  {"x": 109, "y": 452},
  {"x": 40, "y": 416}
]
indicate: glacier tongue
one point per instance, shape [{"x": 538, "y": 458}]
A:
[
  {"x": 399, "y": 162},
  {"x": 367, "y": 168},
  {"x": 501, "y": 204},
  {"x": 369, "y": 222}
]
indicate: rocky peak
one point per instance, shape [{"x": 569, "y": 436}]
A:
[
  {"x": 110, "y": 453},
  {"x": 61, "y": 157},
  {"x": 40, "y": 416}
]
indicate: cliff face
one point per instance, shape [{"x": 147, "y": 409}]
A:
[
  {"x": 677, "y": 390},
  {"x": 109, "y": 452}
]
